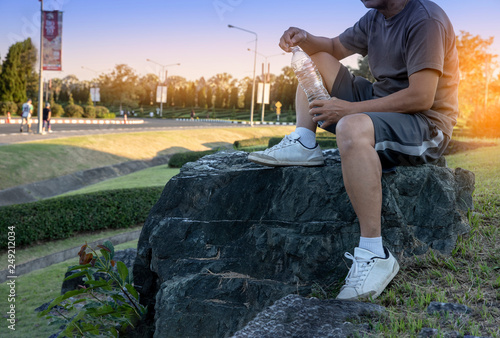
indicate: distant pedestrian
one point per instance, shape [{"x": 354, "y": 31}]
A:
[
  {"x": 192, "y": 114},
  {"x": 26, "y": 115},
  {"x": 47, "y": 114}
]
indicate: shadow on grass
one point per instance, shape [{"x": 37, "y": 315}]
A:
[
  {"x": 28, "y": 163},
  {"x": 218, "y": 145},
  {"x": 172, "y": 150}
]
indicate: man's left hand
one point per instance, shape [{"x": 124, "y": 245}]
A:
[{"x": 329, "y": 111}]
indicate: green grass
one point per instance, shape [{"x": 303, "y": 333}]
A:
[
  {"x": 151, "y": 177},
  {"x": 33, "y": 290},
  {"x": 470, "y": 276}
]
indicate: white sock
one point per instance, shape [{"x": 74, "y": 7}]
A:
[
  {"x": 372, "y": 244},
  {"x": 307, "y": 137}
]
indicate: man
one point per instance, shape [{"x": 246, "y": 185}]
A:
[
  {"x": 26, "y": 115},
  {"x": 47, "y": 114},
  {"x": 405, "y": 118}
]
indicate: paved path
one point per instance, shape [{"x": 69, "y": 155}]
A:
[{"x": 9, "y": 133}]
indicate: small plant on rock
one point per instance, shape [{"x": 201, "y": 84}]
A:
[{"x": 110, "y": 305}]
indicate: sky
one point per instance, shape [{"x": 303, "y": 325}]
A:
[{"x": 99, "y": 34}]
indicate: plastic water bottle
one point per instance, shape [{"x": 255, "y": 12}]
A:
[{"x": 309, "y": 77}]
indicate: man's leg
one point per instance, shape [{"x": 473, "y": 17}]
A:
[
  {"x": 329, "y": 68},
  {"x": 361, "y": 171},
  {"x": 299, "y": 148},
  {"x": 373, "y": 266}
]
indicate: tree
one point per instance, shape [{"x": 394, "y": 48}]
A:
[
  {"x": 56, "y": 88},
  {"x": 233, "y": 98},
  {"x": 246, "y": 91},
  {"x": 191, "y": 95},
  {"x": 175, "y": 92},
  {"x": 68, "y": 86},
  {"x": 476, "y": 68},
  {"x": 18, "y": 79},
  {"x": 221, "y": 84},
  {"x": 201, "y": 91},
  {"x": 363, "y": 69},
  {"x": 120, "y": 87},
  {"x": 147, "y": 89},
  {"x": 285, "y": 88}
]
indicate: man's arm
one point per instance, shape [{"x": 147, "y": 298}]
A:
[
  {"x": 312, "y": 44},
  {"x": 418, "y": 96}
]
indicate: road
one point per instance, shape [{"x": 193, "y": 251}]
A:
[{"x": 9, "y": 133}]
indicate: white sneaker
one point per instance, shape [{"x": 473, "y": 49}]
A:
[
  {"x": 289, "y": 152},
  {"x": 369, "y": 275}
]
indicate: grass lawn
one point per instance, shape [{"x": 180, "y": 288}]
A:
[
  {"x": 33, "y": 290},
  {"x": 35, "y": 161},
  {"x": 470, "y": 276},
  {"x": 43, "y": 249},
  {"x": 151, "y": 177}
]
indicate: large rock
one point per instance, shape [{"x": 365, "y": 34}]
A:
[{"x": 228, "y": 237}]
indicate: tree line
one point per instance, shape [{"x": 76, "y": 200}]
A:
[{"x": 123, "y": 89}]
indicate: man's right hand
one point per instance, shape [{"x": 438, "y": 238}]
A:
[{"x": 292, "y": 37}]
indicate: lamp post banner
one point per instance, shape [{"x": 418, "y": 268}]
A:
[{"x": 52, "y": 40}]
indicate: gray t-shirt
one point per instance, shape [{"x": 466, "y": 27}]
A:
[{"x": 419, "y": 37}]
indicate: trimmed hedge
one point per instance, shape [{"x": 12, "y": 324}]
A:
[
  {"x": 89, "y": 112},
  {"x": 57, "y": 110},
  {"x": 252, "y": 149},
  {"x": 102, "y": 112},
  {"x": 179, "y": 159},
  {"x": 62, "y": 217},
  {"x": 324, "y": 142},
  {"x": 73, "y": 110},
  {"x": 8, "y": 107},
  {"x": 252, "y": 142}
]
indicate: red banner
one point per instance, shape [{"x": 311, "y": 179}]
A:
[{"x": 52, "y": 40}]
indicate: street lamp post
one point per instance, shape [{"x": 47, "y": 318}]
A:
[
  {"x": 254, "y": 65},
  {"x": 159, "y": 78},
  {"x": 264, "y": 77},
  {"x": 40, "y": 83}
]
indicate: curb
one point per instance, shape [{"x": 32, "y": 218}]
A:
[
  {"x": 79, "y": 121},
  {"x": 58, "y": 257},
  {"x": 239, "y": 122}
]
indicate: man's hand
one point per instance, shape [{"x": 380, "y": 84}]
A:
[
  {"x": 329, "y": 111},
  {"x": 292, "y": 37}
]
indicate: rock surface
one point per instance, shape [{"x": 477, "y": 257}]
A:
[
  {"x": 295, "y": 316},
  {"x": 228, "y": 237},
  {"x": 448, "y": 307}
]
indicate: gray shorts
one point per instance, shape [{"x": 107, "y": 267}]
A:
[{"x": 400, "y": 139}]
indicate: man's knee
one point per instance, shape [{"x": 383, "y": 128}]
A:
[
  {"x": 328, "y": 67},
  {"x": 354, "y": 130}
]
